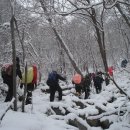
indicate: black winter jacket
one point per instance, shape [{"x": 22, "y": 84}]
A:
[
  {"x": 56, "y": 82},
  {"x": 98, "y": 80}
]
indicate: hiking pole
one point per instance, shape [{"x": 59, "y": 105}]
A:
[
  {"x": 25, "y": 89},
  {"x": 32, "y": 103}
]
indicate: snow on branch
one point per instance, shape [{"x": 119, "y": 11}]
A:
[
  {"x": 122, "y": 2},
  {"x": 114, "y": 3},
  {"x": 79, "y": 8},
  {"x": 80, "y": 123},
  {"x": 33, "y": 49},
  {"x": 12, "y": 3},
  {"x": 107, "y": 113}
]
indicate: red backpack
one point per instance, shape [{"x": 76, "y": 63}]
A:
[
  {"x": 6, "y": 70},
  {"x": 77, "y": 79}
]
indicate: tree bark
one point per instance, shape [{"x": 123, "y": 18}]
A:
[
  {"x": 99, "y": 40},
  {"x": 14, "y": 61},
  {"x": 123, "y": 15},
  {"x": 21, "y": 39}
]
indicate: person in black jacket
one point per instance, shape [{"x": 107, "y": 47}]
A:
[
  {"x": 98, "y": 80},
  {"x": 54, "y": 85},
  {"x": 8, "y": 79},
  {"x": 86, "y": 85},
  {"x": 78, "y": 88}
]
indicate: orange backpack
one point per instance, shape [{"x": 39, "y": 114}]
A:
[{"x": 77, "y": 78}]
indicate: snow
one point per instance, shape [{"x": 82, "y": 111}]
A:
[
  {"x": 26, "y": 121},
  {"x": 41, "y": 115}
]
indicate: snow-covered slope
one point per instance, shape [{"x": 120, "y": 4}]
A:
[{"x": 108, "y": 110}]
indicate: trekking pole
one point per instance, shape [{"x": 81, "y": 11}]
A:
[
  {"x": 25, "y": 89},
  {"x": 32, "y": 103}
]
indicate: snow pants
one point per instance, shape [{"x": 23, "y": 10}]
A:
[
  {"x": 10, "y": 92},
  {"x": 53, "y": 89}
]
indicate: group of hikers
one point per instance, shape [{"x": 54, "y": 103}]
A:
[{"x": 82, "y": 84}]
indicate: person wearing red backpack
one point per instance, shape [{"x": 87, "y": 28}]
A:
[
  {"x": 7, "y": 76},
  {"x": 31, "y": 82}
]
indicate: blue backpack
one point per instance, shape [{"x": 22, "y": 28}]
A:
[{"x": 52, "y": 77}]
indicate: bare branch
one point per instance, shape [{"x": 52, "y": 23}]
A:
[
  {"x": 114, "y": 3},
  {"x": 78, "y": 8}
]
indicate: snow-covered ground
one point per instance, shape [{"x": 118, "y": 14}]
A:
[{"x": 41, "y": 115}]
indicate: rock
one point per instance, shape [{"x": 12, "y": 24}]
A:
[
  {"x": 57, "y": 111},
  {"x": 100, "y": 109},
  {"x": 93, "y": 122},
  {"x": 76, "y": 123},
  {"x": 105, "y": 124},
  {"x": 82, "y": 106},
  {"x": 49, "y": 112}
]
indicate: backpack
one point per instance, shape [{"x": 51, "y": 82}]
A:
[
  {"x": 29, "y": 75},
  {"x": 52, "y": 77},
  {"x": 77, "y": 79},
  {"x": 6, "y": 70},
  {"x": 98, "y": 79}
]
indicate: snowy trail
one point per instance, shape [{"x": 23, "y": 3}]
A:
[{"x": 45, "y": 115}]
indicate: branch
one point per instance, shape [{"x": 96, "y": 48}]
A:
[
  {"x": 78, "y": 8},
  {"x": 107, "y": 113},
  {"x": 113, "y": 4},
  {"x": 125, "y": 3},
  {"x": 123, "y": 15},
  {"x": 118, "y": 87},
  {"x": 33, "y": 49}
]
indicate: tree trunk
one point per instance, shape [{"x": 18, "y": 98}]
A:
[
  {"x": 21, "y": 39},
  {"x": 99, "y": 40},
  {"x": 123, "y": 15},
  {"x": 14, "y": 61}
]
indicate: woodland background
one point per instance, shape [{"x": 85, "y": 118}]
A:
[{"x": 96, "y": 33}]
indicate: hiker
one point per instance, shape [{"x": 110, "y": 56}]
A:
[
  {"x": 110, "y": 70},
  {"x": 7, "y": 75},
  {"x": 53, "y": 83},
  {"x": 31, "y": 82},
  {"x": 107, "y": 79},
  {"x": 86, "y": 85},
  {"x": 124, "y": 63},
  {"x": 77, "y": 81},
  {"x": 98, "y": 80}
]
